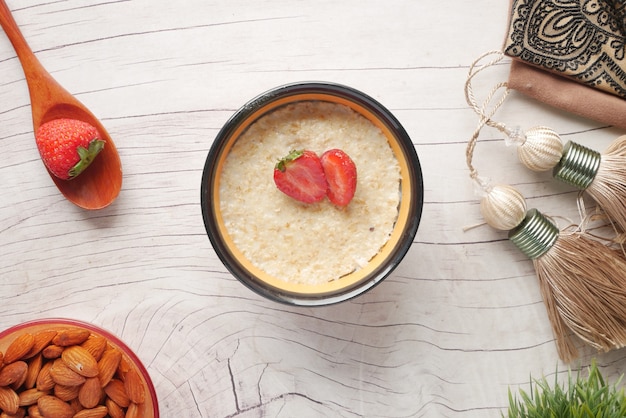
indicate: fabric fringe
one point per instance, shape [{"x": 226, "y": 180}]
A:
[
  {"x": 608, "y": 188},
  {"x": 583, "y": 287}
]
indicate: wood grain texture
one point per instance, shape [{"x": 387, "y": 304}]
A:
[{"x": 457, "y": 324}]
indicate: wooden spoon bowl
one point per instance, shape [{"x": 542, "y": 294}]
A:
[{"x": 99, "y": 185}]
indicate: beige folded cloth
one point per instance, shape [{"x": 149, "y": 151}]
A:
[
  {"x": 570, "y": 54},
  {"x": 568, "y": 95}
]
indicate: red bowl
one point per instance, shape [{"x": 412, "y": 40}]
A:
[{"x": 151, "y": 409}]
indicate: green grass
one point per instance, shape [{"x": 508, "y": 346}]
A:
[{"x": 590, "y": 397}]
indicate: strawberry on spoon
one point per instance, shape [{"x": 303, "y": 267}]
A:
[
  {"x": 300, "y": 175},
  {"x": 49, "y": 100},
  {"x": 340, "y": 172},
  {"x": 68, "y": 146}
]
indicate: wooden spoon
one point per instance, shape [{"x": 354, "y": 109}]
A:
[{"x": 100, "y": 183}]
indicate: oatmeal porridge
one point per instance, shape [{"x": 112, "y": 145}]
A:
[{"x": 309, "y": 243}]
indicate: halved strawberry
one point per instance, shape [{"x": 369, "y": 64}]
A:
[
  {"x": 300, "y": 175},
  {"x": 340, "y": 172}
]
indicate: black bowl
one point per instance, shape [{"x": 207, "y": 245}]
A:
[{"x": 389, "y": 256}]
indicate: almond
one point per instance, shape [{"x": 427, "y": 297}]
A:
[
  {"x": 21, "y": 413},
  {"x": 76, "y": 406},
  {"x": 9, "y": 401},
  {"x": 44, "y": 380},
  {"x": 115, "y": 390},
  {"x": 108, "y": 364},
  {"x": 71, "y": 336},
  {"x": 52, "y": 351},
  {"x": 18, "y": 348},
  {"x": 17, "y": 385},
  {"x": 124, "y": 366},
  {"x": 66, "y": 393},
  {"x": 134, "y": 387},
  {"x": 115, "y": 411},
  {"x": 97, "y": 412},
  {"x": 80, "y": 360},
  {"x": 30, "y": 397},
  {"x": 33, "y": 412},
  {"x": 34, "y": 367},
  {"x": 90, "y": 393},
  {"x": 13, "y": 372},
  {"x": 96, "y": 345},
  {"x": 53, "y": 407},
  {"x": 62, "y": 375},
  {"x": 42, "y": 339},
  {"x": 134, "y": 411},
  {"x": 70, "y": 373}
]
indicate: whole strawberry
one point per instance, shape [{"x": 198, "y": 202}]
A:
[
  {"x": 68, "y": 146},
  {"x": 300, "y": 175},
  {"x": 340, "y": 172}
]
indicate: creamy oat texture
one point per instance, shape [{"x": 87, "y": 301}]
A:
[{"x": 293, "y": 241}]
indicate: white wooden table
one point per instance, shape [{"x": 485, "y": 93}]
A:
[{"x": 456, "y": 325}]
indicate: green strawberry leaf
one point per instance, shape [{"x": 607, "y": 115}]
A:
[{"x": 87, "y": 155}]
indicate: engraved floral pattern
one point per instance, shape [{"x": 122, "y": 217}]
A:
[{"x": 583, "y": 39}]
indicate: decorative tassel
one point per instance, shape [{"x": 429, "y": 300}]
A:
[
  {"x": 503, "y": 207},
  {"x": 580, "y": 278},
  {"x": 602, "y": 177},
  {"x": 539, "y": 148}
]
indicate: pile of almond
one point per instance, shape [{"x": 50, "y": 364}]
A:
[{"x": 68, "y": 373}]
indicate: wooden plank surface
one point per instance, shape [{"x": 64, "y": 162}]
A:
[{"x": 446, "y": 335}]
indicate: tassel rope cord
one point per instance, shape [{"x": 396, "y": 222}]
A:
[
  {"x": 485, "y": 119},
  {"x": 580, "y": 278},
  {"x": 601, "y": 176},
  {"x": 481, "y": 110}
]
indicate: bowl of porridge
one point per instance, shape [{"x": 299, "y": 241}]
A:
[{"x": 317, "y": 253}]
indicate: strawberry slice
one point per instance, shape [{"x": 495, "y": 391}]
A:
[
  {"x": 300, "y": 175},
  {"x": 340, "y": 172}
]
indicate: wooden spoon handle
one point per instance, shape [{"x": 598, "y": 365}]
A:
[
  {"x": 44, "y": 90},
  {"x": 13, "y": 33}
]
